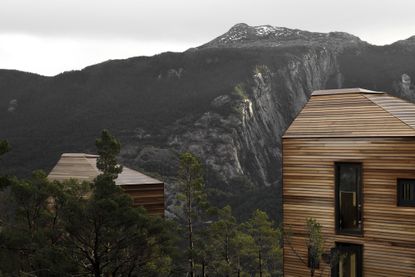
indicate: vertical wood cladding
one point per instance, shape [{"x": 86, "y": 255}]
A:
[{"x": 309, "y": 191}]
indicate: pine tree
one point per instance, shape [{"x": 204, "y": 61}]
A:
[
  {"x": 107, "y": 235},
  {"x": 108, "y": 148},
  {"x": 223, "y": 232},
  {"x": 71, "y": 228},
  {"x": 267, "y": 243},
  {"x": 244, "y": 256},
  {"x": 192, "y": 198},
  {"x": 31, "y": 229}
]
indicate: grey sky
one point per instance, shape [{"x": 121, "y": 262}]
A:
[{"x": 50, "y": 36}]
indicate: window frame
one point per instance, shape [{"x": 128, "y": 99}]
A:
[
  {"x": 400, "y": 202},
  {"x": 349, "y": 247},
  {"x": 359, "y": 197}
]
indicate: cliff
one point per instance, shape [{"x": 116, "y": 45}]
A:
[{"x": 228, "y": 101}]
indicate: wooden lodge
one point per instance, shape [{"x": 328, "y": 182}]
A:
[
  {"x": 144, "y": 190},
  {"x": 349, "y": 163}
]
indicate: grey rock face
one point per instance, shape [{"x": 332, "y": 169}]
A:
[
  {"x": 241, "y": 133},
  {"x": 228, "y": 101},
  {"x": 245, "y": 36},
  {"x": 405, "y": 87},
  {"x": 12, "y": 105},
  {"x": 175, "y": 73}
]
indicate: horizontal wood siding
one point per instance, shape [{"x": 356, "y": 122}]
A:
[
  {"x": 145, "y": 191},
  {"x": 150, "y": 196},
  {"x": 308, "y": 191}
]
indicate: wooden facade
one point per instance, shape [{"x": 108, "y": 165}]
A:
[
  {"x": 144, "y": 190},
  {"x": 375, "y": 132}
]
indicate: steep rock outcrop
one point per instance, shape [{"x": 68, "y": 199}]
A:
[
  {"x": 241, "y": 133},
  {"x": 229, "y": 101}
]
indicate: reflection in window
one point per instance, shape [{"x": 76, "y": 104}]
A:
[
  {"x": 348, "y": 197},
  {"x": 349, "y": 260}
]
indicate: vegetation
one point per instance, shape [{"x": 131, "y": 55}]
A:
[
  {"x": 31, "y": 230},
  {"x": 192, "y": 198},
  {"x": 106, "y": 233},
  {"x": 315, "y": 244},
  {"x": 108, "y": 148},
  {"x": 216, "y": 243},
  {"x": 266, "y": 240},
  {"x": 240, "y": 91},
  {"x": 91, "y": 229},
  {"x": 261, "y": 69},
  {"x": 4, "y": 147},
  {"x": 65, "y": 229}
]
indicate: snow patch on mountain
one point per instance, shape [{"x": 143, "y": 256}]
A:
[{"x": 243, "y": 35}]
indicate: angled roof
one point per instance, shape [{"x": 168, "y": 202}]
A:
[
  {"x": 83, "y": 167},
  {"x": 344, "y": 91},
  {"x": 353, "y": 113}
]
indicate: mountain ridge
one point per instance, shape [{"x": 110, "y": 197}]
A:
[
  {"x": 228, "y": 105},
  {"x": 244, "y": 27},
  {"x": 243, "y": 35}
]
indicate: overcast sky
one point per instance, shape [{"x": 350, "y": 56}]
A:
[{"x": 51, "y": 36}]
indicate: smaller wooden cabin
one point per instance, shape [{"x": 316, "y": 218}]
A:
[
  {"x": 144, "y": 190},
  {"x": 349, "y": 163}
]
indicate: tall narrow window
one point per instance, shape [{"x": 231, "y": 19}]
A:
[
  {"x": 406, "y": 192},
  {"x": 348, "y": 198},
  {"x": 349, "y": 260}
]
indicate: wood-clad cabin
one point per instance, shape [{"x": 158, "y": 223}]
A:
[
  {"x": 349, "y": 162},
  {"x": 144, "y": 190}
]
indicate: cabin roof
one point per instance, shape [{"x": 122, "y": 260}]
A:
[
  {"x": 344, "y": 91},
  {"x": 83, "y": 167},
  {"x": 353, "y": 112}
]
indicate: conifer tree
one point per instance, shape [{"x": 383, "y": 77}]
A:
[
  {"x": 73, "y": 229},
  {"x": 107, "y": 235},
  {"x": 267, "y": 244},
  {"x": 31, "y": 229},
  {"x": 108, "y": 148},
  {"x": 192, "y": 198},
  {"x": 223, "y": 232}
]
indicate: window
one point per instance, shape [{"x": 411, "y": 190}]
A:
[
  {"x": 348, "y": 198},
  {"x": 348, "y": 260},
  {"x": 406, "y": 192}
]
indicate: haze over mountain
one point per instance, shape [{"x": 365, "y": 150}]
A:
[{"x": 229, "y": 101}]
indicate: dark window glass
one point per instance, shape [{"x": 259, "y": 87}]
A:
[
  {"x": 406, "y": 192},
  {"x": 348, "y": 198},
  {"x": 348, "y": 259}
]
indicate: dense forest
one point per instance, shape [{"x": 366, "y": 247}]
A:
[{"x": 91, "y": 229}]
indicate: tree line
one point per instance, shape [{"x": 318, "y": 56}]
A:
[{"x": 75, "y": 228}]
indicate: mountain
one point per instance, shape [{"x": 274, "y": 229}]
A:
[
  {"x": 229, "y": 101},
  {"x": 245, "y": 36}
]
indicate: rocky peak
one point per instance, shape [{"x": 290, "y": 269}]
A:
[{"x": 242, "y": 36}]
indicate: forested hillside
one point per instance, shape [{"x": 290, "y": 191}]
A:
[{"x": 228, "y": 101}]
